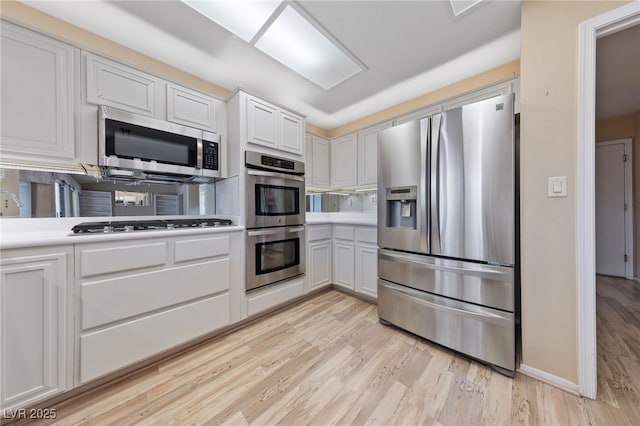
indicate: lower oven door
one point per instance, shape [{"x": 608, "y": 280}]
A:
[{"x": 274, "y": 254}]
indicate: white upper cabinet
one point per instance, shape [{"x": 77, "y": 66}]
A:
[
  {"x": 344, "y": 161},
  {"x": 317, "y": 162},
  {"x": 291, "y": 129},
  {"x": 39, "y": 90},
  {"x": 274, "y": 127},
  {"x": 191, "y": 108},
  {"x": 368, "y": 154},
  {"x": 262, "y": 123},
  {"x": 119, "y": 86}
]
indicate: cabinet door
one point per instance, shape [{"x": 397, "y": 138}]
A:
[
  {"x": 291, "y": 132},
  {"x": 320, "y": 176},
  {"x": 33, "y": 338},
  {"x": 38, "y": 97},
  {"x": 367, "y": 269},
  {"x": 190, "y": 108},
  {"x": 319, "y": 264},
  {"x": 343, "y": 264},
  {"x": 113, "y": 84},
  {"x": 308, "y": 159},
  {"x": 262, "y": 128},
  {"x": 368, "y": 154},
  {"x": 344, "y": 161}
]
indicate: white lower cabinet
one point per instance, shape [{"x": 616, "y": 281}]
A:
[
  {"x": 350, "y": 252},
  {"x": 318, "y": 256},
  {"x": 367, "y": 262},
  {"x": 270, "y": 297},
  {"x": 343, "y": 256},
  {"x": 150, "y": 295},
  {"x": 36, "y": 335}
]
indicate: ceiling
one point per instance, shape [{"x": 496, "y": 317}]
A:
[
  {"x": 409, "y": 48},
  {"x": 618, "y": 73}
]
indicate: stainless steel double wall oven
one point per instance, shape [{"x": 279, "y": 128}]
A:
[{"x": 275, "y": 216}]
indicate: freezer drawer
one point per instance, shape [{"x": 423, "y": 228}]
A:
[
  {"x": 482, "y": 284},
  {"x": 482, "y": 333}
]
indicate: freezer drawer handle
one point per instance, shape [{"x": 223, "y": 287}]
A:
[
  {"x": 429, "y": 301},
  {"x": 480, "y": 271}
]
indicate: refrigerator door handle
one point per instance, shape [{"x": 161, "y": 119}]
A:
[
  {"x": 424, "y": 179},
  {"x": 435, "y": 183}
]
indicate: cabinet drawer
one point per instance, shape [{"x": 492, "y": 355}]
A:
[
  {"x": 121, "y": 258},
  {"x": 107, "y": 350},
  {"x": 114, "y": 299},
  {"x": 344, "y": 233},
  {"x": 480, "y": 332},
  {"x": 319, "y": 233},
  {"x": 270, "y": 297},
  {"x": 368, "y": 235},
  {"x": 201, "y": 248}
]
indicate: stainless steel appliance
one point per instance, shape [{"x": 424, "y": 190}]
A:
[
  {"x": 274, "y": 254},
  {"x": 275, "y": 216},
  {"x": 132, "y": 146},
  {"x": 447, "y": 229},
  {"x": 275, "y": 191}
]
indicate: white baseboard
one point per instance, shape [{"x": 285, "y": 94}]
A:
[
  {"x": 636, "y": 279},
  {"x": 549, "y": 378}
]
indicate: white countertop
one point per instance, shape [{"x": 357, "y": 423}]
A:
[
  {"x": 345, "y": 218},
  {"x": 21, "y": 233}
]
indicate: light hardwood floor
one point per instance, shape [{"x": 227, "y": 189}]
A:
[{"x": 328, "y": 360}]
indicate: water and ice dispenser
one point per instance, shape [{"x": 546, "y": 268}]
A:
[{"x": 401, "y": 203}]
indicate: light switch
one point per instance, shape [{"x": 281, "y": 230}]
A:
[{"x": 557, "y": 186}]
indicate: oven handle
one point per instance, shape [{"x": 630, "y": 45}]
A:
[
  {"x": 275, "y": 175},
  {"x": 275, "y": 231}
]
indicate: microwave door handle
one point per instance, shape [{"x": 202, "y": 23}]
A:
[
  {"x": 275, "y": 175},
  {"x": 199, "y": 154}
]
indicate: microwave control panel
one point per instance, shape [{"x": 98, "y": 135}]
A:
[{"x": 209, "y": 155}]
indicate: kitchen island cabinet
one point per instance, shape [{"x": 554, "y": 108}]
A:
[{"x": 37, "y": 327}]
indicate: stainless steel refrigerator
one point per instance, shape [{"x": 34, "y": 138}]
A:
[{"x": 447, "y": 229}]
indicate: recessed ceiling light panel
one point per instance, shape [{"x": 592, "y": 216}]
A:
[
  {"x": 243, "y": 18},
  {"x": 460, "y": 6},
  {"x": 295, "y": 42}
]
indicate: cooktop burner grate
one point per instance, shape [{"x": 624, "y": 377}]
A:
[{"x": 146, "y": 225}]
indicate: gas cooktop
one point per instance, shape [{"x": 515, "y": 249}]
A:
[{"x": 112, "y": 226}]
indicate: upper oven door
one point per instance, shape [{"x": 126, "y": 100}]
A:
[{"x": 274, "y": 199}]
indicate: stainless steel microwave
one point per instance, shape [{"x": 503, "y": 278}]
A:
[{"x": 132, "y": 145}]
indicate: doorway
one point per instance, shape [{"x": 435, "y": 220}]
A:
[
  {"x": 588, "y": 32},
  {"x": 614, "y": 209}
]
